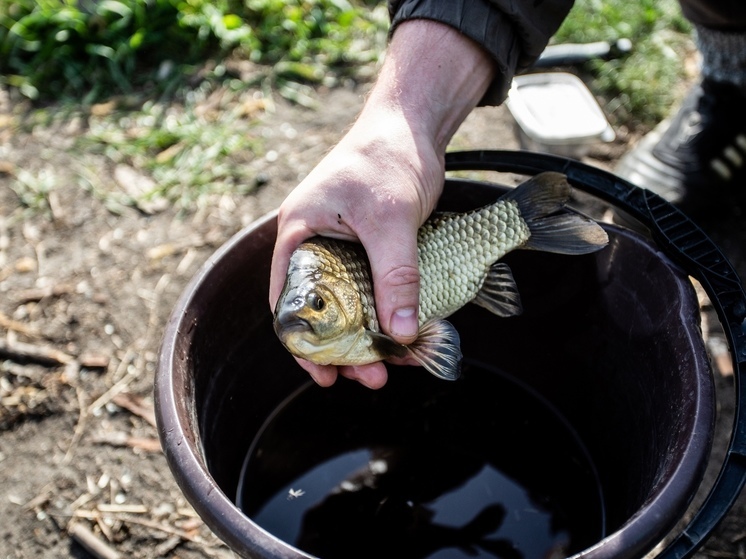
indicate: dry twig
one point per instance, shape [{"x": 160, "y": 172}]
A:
[
  {"x": 136, "y": 405},
  {"x": 16, "y": 326},
  {"x": 116, "y": 508},
  {"x": 120, "y": 438},
  {"x": 37, "y": 294},
  {"x": 166, "y": 546},
  {"x": 91, "y": 542},
  {"x": 41, "y": 354},
  {"x": 129, "y": 519},
  {"x": 79, "y": 426},
  {"x": 112, "y": 392}
]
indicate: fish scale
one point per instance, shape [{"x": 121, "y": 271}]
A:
[
  {"x": 456, "y": 250},
  {"x": 349, "y": 262}
]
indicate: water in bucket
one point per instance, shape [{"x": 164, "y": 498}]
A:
[{"x": 423, "y": 468}]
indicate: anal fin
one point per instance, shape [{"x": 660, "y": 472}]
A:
[{"x": 438, "y": 349}]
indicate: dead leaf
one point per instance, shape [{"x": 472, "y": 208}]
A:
[
  {"x": 25, "y": 264},
  {"x": 120, "y": 438},
  {"x": 169, "y": 153},
  {"x": 94, "y": 360}
]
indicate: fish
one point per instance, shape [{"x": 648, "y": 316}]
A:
[{"x": 326, "y": 312}]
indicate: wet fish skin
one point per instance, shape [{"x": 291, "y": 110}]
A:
[
  {"x": 456, "y": 251},
  {"x": 326, "y": 312}
]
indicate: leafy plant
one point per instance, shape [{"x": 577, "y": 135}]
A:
[
  {"x": 90, "y": 49},
  {"x": 33, "y": 189},
  {"x": 331, "y": 32},
  {"x": 642, "y": 86}
]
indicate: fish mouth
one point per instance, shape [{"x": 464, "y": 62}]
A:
[{"x": 285, "y": 324}]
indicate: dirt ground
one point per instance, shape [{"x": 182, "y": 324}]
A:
[{"x": 84, "y": 296}]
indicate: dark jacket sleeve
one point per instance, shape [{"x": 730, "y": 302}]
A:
[{"x": 514, "y": 32}]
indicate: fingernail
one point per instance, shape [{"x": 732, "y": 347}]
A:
[{"x": 404, "y": 323}]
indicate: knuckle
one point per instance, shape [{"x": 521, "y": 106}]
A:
[
  {"x": 403, "y": 276},
  {"x": 401, "y": 286}
]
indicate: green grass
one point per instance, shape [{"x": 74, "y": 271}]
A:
[
  {"x": 186, "y": 151},
  {"x": 158, "y": 60},
  {"x": 155, "y": 62},
  {"x": 640, "y": 87},
  {"x": 89, "y": 50},
  {"x": 33, "y": 189}
]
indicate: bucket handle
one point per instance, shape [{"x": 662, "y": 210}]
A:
[{"x": 685, "y": 243}]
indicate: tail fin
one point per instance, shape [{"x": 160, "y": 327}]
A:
[{"x": 564, "y": 233}]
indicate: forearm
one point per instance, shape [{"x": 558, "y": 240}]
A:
[
  {"x": 513, "y": 32},
  {"x": 432, "y": 76}
]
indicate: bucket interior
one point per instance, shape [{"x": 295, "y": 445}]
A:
[{"x": 609, "y": 347}]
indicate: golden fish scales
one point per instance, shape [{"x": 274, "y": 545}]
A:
[{"x": 348, "y": 262}]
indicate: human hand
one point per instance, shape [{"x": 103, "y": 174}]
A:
[
  {"x": 377, "y": 186},
  {"x": 383, "y": 179}
]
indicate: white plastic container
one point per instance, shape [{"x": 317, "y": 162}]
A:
[{"x": 556, "y": 113}]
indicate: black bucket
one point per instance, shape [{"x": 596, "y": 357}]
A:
[{"x": 598, "y": 401}]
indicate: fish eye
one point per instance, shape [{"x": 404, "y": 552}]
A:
[{"x": 315, "y": 301}]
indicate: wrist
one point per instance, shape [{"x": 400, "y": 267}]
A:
[{"x": 432, "y": 77}]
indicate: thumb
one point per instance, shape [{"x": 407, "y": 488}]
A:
[{"x": 396, "y": 282}]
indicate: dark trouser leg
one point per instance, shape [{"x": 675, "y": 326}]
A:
[
  {"x": 724, "y": 15},
  {"x": 697, "y": 158}
]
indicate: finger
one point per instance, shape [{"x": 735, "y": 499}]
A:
[
  {"x": 323, "y": 375},
  {"x": 373, "y": 376},
  {"x": 278, "y": 271},
  {"x": 396, "y": 281},
  {"x": 287, "y": 241}
]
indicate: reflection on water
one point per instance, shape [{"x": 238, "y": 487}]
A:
[{"x": 479, "y": 468}]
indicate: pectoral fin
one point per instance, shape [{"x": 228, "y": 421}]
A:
[
  {"x": 438, "y": 349},
  {"x": 499, "y": 293}
]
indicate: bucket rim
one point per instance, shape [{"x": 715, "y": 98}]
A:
[
  {"x": 183, "y": 453},
  {"x": 694, "y": 252},
  {"x": 686, "y": 244}
]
